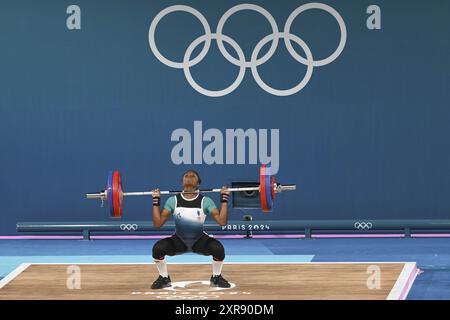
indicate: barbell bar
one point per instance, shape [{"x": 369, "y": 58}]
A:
[{"x": 113, "y": 193}]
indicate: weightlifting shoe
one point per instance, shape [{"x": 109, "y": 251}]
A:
[
  {"x": 219, "y": 281},
  {"x": 161, "y": 282}
]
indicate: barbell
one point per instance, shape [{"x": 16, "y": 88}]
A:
[{"x": 113, "y": 193}]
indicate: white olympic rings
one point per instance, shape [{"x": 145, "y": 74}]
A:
[
  {"x": 254, "y": 62},
  {"x": 128, "y": 227},
  {"x": 363, "y": 225}
]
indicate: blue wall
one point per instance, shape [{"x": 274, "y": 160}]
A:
[{"x": 368, "y": 137}]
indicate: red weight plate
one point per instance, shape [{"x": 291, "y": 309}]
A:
[
  {"x": 262, "y": 188},
  {"x": 120, "y": 194},
  {"x": 117, "y": 208}
]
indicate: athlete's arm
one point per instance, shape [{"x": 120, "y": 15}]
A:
[
  {"x": 221, "y": 216},
  {"x": 159, "y": 217}
]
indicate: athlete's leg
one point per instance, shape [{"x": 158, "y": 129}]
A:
[
  {"x": 167, "y": 246},
  {"x": 209, "y": 246}
]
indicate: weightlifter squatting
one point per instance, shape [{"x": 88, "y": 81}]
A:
[{"x": 189, "y": 209}]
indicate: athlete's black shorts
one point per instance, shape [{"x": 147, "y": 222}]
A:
[{"x": 174, "y": 245}]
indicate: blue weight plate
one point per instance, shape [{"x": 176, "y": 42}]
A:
[
  {"x": 109, "y": 190},
  {"x": 269, "y": 199}
]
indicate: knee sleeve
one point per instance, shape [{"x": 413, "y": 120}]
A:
[
  {"x": 161, "y": 248},
  {"x": 216, "y": 249}
]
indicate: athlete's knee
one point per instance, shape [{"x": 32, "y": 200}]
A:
[
  {"x": 217, "y": 250},
  {"x": 160, "y": 249}
]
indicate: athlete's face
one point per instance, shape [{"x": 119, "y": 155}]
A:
[{"x": 190, "y": 181}]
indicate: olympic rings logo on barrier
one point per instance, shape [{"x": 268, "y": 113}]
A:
[
  {"x": 128, "y": 227},
  {"x": 363, "y": 225},
  {"x": 254, "y": 62}
]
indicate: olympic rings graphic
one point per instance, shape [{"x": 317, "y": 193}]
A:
[
  {"x": 255, "y": 61},
  {"x": 205, "y": 286},
  {"x": 128, "y": 227},
  {"x": 363, "y": 225}
]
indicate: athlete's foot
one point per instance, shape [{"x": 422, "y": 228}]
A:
[
  {"x": 219, "y": 281},
  {"x": 161, "y": 282}
]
